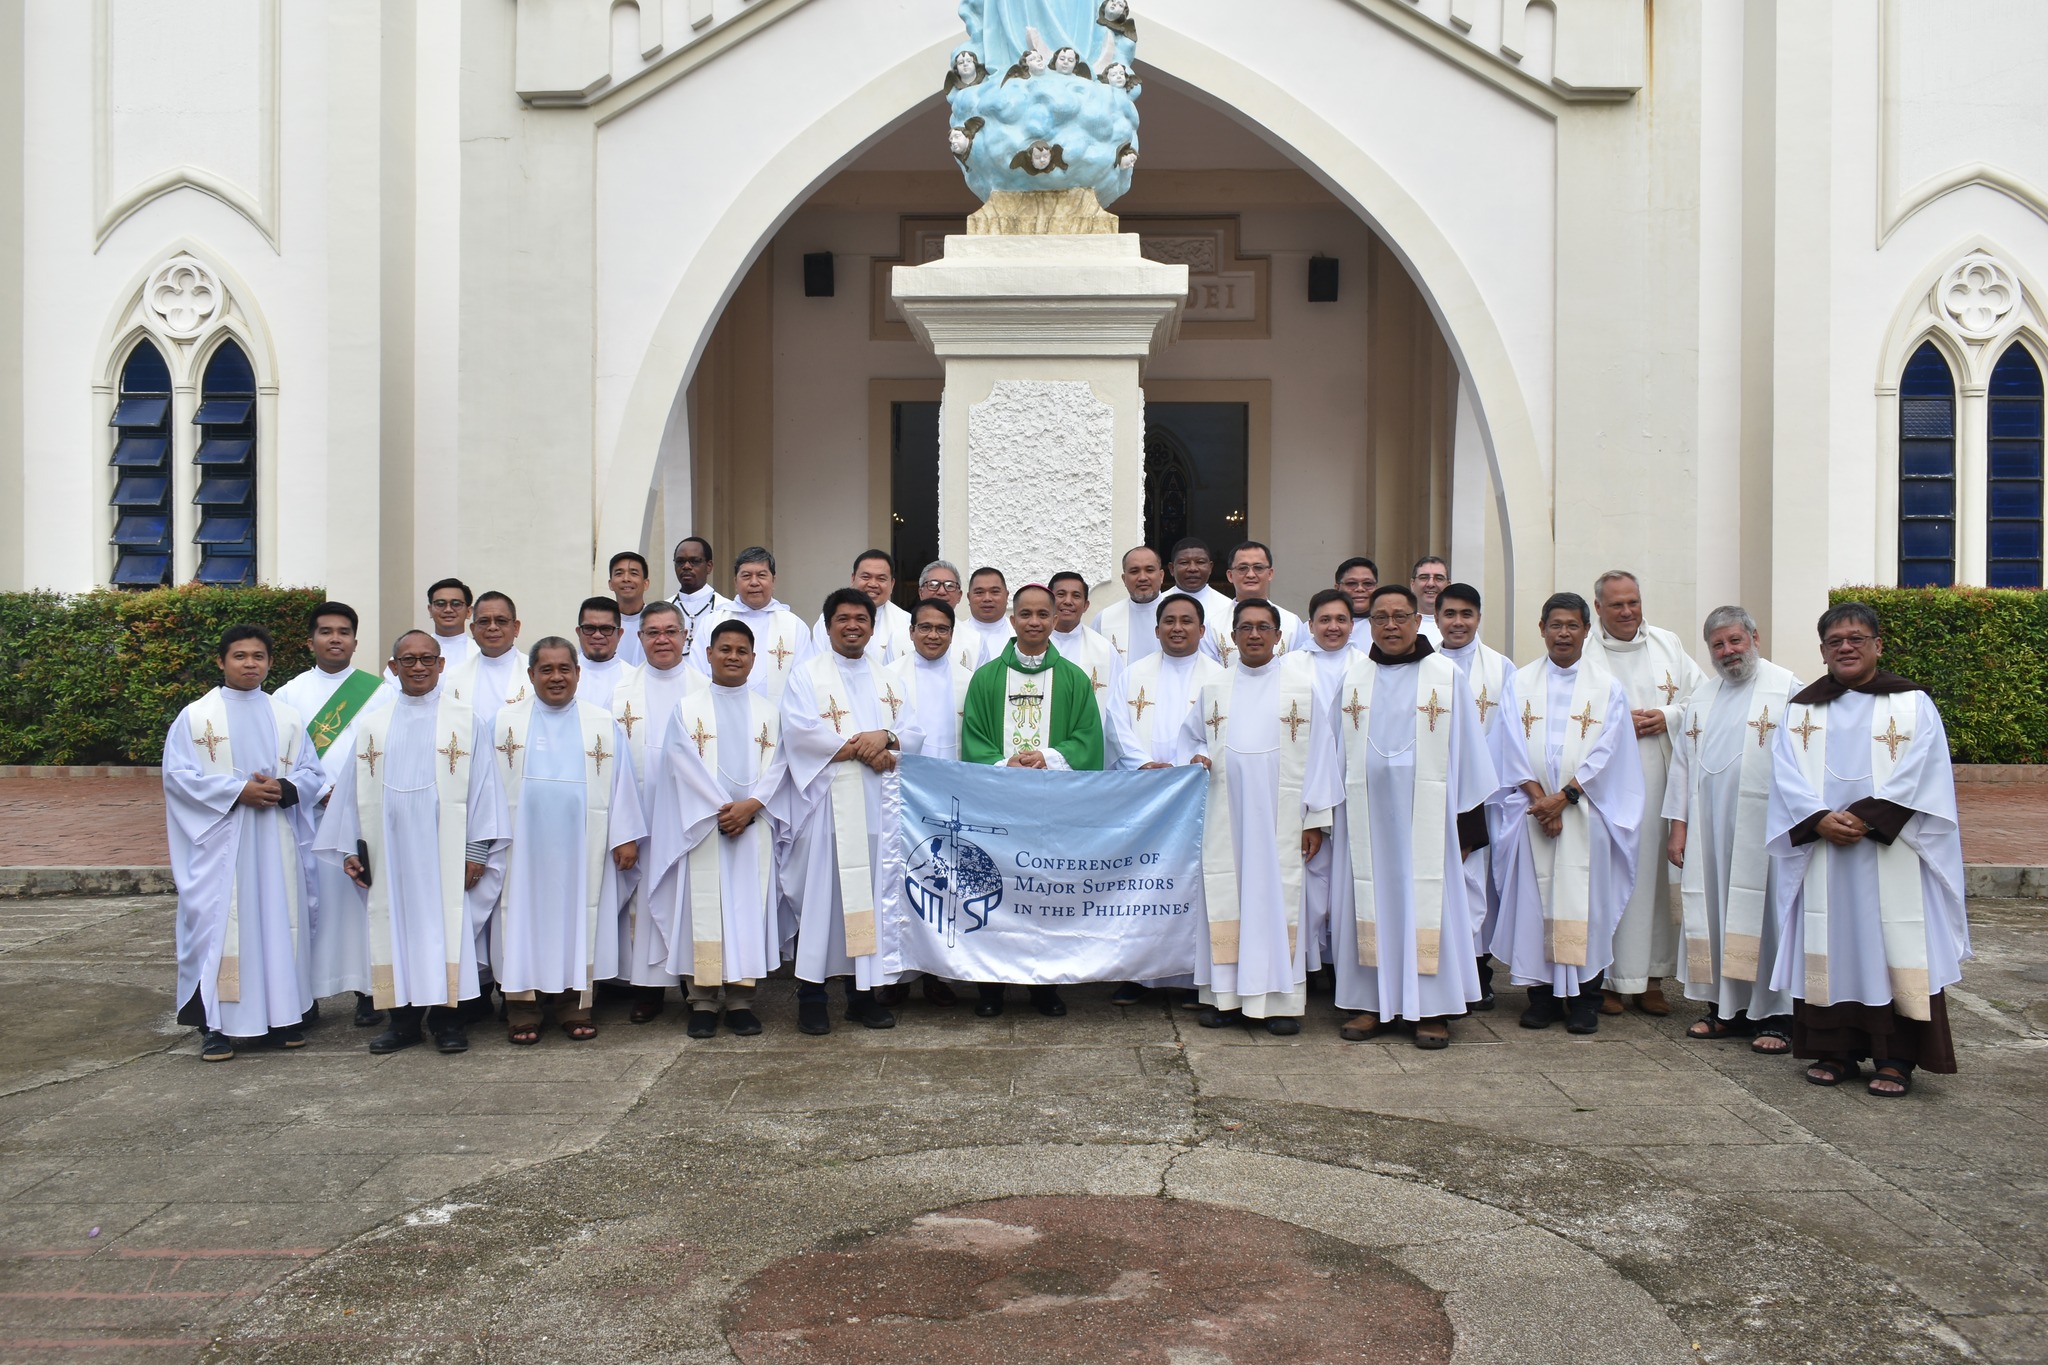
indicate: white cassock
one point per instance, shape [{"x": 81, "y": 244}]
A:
[
  {"x": 835, "y": 810},
  {"x": 1317, "y": 876},
  {"x": 1274, "y": 772},
  {"x": 781, "y": 642},
  {"x": 1402, "y": 914},
  {"x": 596, "y": 680},
  {"x": 630, "y": 648},
  {"x": 700, "y": 611},
  {"x": 1657, "y": 674},
  {"x": 1132, "y": 628},
  {"x": 644, "y": 705},
  {"x": 1561, "y": 898},
  {"x": 936, "y": 690},
  {"x": 890, "y": 642},
  {"x": 1218, "y": 641},
  {"x": 1361, "y": 634},
  {"x": 1430, "y": 631},
  {"x": 338, "y": 955},
  {"x": 1094, "y": 655},
  {"x": 572, "y": 799},
  {"x": 1486, "y": 672},
  {"x": 982, "y": 640},
  {"x": 716, "y": 898},
  {"x": 241, "y": 871},
  {"x": 1869, "y": 923},
  {"x": 431, "y": 764},
  {"x": 487, "y": 683},
  {"x": 1720, "y": 785}
]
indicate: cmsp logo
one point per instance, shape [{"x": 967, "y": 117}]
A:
[{"x": 948, "y": 875}]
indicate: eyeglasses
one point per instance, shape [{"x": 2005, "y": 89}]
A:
[
  {"x": 931, "y": 628},
  {"x": 939, "y": 585},
  {"x": 661, "y": 632},
  {"x": 415, "y": 660},
  {"x": 1432, "y": 578},
  {"x": 487, "y": 622},
  {"x": 688, "y": 561},
  {"x": 448, "y": 604},
  {"x": 1257, "y": 628},
  {"x": 1392, "y": 618},
  {"x": 1846, "y": 641},
  {"x": 597, "y": 630},
  {"x": 1251, "y": 568}
]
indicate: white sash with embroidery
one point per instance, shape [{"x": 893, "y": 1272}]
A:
[
  {"x": 698, "y": 714},
  {"x": 1487, "y": 679},
  {"x": 1434, "y": 689},
  {"x": 510, "y": 733},
  {"x": 208, "y": 719},
  {"x": 1902, "y": 912},
  {"x": 1742, "y": 922},
  {"x": 849, "y": 800},
  {"x": 1564, "y": 865},
  {"x": 461, "y": 681},
  {"x": 453, "y": 718},
  {"x": 1219, "y": 855}
]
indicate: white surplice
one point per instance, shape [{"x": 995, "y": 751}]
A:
[
  {"x": 781, "y": 642},
  {"x": 488, "y": 683},
  {"x": 595, "y": 679},
  {"x": 937, "y": 692},
  {"x": 644, "y": 705},
  {"x": 1093, "y": 654},
  {"x": 241, "y": 860}
]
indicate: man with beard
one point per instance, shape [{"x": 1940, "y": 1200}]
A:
[{"x": 597, "y": 638}]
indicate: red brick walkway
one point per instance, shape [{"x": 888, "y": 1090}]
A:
[{"x": 119, "y": 822}]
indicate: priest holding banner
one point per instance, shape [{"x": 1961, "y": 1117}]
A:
[
  {"x": 1870, "y": 867},
  {"x": 415, "y": 815}
]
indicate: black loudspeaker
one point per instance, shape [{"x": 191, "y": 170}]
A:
[
  {"x": 818, "y": 274},
  {"x": 1322, "y": 279}
]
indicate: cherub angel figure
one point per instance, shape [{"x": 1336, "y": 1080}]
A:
[
  {"x": 1067, "y": 62},
  {"x": 966, "y": 70},
  {"x": 1040, "y": 158},
  {"x": 960, "y": 140},
  {"x": 1034, "y": 60}
]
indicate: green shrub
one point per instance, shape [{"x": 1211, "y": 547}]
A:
[
  {"x": 98, "y": 677},
  {"x": 1982, "y": 652}
]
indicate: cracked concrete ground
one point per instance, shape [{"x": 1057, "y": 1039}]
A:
[{"x": 1628, "y": 1197}]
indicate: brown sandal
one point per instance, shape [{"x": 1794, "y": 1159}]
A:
[
  {"x": 524, "y": 1037},
  {"x": 1360, "y": 1027},
  {"x": 1440, "y": 1037},
  {"x": 581, "y": 1030}
]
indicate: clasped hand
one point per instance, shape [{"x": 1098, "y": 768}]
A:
[
  {"x": 261, "y": 792},
  {"x": 1648, "y": 723},
  {"x": 735, "y": 816},
  {"x": 870, "y": 747},
  {"x": 1841, "y": 828},
  {"x": 1026, "y": 758}
]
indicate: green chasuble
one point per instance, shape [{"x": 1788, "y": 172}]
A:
[{"x": 1004, "y": 691}]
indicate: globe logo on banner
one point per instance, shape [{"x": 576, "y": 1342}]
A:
[{"x": 948, "y": 875}]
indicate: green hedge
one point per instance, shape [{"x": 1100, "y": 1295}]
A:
[
  {"x": 98, "y": 677},
  {"x": 1983, "y": 652}
]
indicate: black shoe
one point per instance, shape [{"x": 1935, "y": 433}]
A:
[
  {"x": 937, "y": 992},
  {"x": 1216, "y": 1018},
  {"x": 291, "y": 1036},
  {"x": 367, "y": 1015},
  {"x": 703, "y": 1024},
  {"x": 215, "y": 1046},
  {"x": 397, "y": 1038},
  {"x": 1046, "y": 999},
  {"x": 990, "y": 1001},
  {"x": 1485, "y": 1000},
  {"x": 862, "y": 1007},
  {"x": 1129, "y": 993},
  {"x": 451, "y": 1037},
  {"x": 1583, "y": 1013},
  {"x": 1543, "y": 1010},
  {"x": 895, "y": 994},
  {"x": 1283, "y": 1026},
  {"x": 813, "y": 1015},
  {"x": 311, "y": 1016},
  {"x": 745, "y": 1023}
]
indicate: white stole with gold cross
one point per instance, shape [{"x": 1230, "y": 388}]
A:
[
  {"x": 1749, "y": 865},
  {"x": 1219, "y": 854},
  {"x": 509, "y": 735},
  {"x": 1901, "y": 899},
  {"x": 208, "y": 719},
  {"x": 697, "y": 714},
  {"x": 849, "y": 797},
  {"x": 453, "y": 722},
  {"x": 1435, "y": 688},
  {"x": 1564, "y": 865}
]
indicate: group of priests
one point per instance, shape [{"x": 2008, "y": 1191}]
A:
[{"x": 690, "y": 793}]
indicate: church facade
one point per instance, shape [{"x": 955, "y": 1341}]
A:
[{"x": 1742, "y": 297}]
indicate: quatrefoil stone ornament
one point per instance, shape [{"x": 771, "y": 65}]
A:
[
  {"x": 1977, "y": 293},
  {"x": 184, "y": 295}
]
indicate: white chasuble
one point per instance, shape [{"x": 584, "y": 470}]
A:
[
  {"x": 716, "y": 894},
  {"x": 570, "y": 798},
  {"x": 837, "y": 809},
  {"x": 1561, "y": 897},
  {"x": 1872, "y": 923},
  {"x": 1148, "y": 708},
  {"x": 644, "y": 705},
  {"x": 419, "y": 797},
  {"x": 1720, "y": 785},
  {"x": 1132, "y": 628},
  {"x": 935, "y": 691},
  {"x": 240, "y": 870},
  {"x": 488, "y": 683},
  {"x": 1273, "y": 772}
]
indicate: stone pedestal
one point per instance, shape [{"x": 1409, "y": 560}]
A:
[{"x": 1042, "y": 429}]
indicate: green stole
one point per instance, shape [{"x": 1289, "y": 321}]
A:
[
  {"x": 1074, "y": 726},
  {"x": 340, "y": 711}
]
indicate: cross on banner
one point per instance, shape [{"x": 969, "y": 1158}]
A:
[{"x": 952, "y": 830}]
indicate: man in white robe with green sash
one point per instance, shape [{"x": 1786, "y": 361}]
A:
[
  {"x": 574, "y": 808},
  {"x": 331, "y": 694},
  {"x": 1870, "y": 876},
  {"x": 414, "y": 816},
  {"x": 1716, "y": 799},
  {"x": 495, "y": 675},
  {"x": 1416, "y": 768},
  {"x": 1653, "y": 667},
  {"x": 239, "y": 779},
  {"x": 1566, "y": 857},
  {"x": 644, "y": 704},
  {"x": 1275, "y": 774},
  {"x": 781, "y": 639},
  {"x": 844, "y": 720},
  {"x": 718, "y": 837},
  {"x": 1486, "y": 671}
]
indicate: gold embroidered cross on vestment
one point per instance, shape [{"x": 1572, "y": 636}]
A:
[
  {"x": 371, "y": 753},
  {"x": 1138, "y": 703},
  {"x": 1585, "y": 719},
  {"x": 1484, "y": 703},
  {"x": 628, "y": 720},
  {"x": 454, "y": 752},
  {"x": 701, "y": 736},
  {"x": 1668, "y": 688},
  {"x": 1806, "y": 730},
  {"x": 211, "y": 742},
  {"x": 1294, "y": 720},
  {"x": 1432, "y": 710},
  {"x": 1354, "y": 709},
  {"x": 1763, "y": 725},
  {"x": 1891, "y": 738},
  {"x": 510, "y": 748},
  {"x": 1529, "y": 719},
  {"x": 834, "y": 713},
  {"x": 596, "y": 754},
  {"x": 763, "y": 743},
  {"x": 895, "y": 702},
  {"x": 1215, "y": 721}
]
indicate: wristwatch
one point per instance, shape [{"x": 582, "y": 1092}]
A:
[
  {"x": 1571, "y": 796},
  {"x": 890, "y": 741}
]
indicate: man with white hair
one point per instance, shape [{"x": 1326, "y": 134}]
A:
[
  {"x": 1658, "y": 675},
  {"x": 1717, "y": 798}
]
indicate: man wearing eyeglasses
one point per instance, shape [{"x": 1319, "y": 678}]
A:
[
  {"x": 874, "y": 576},
  {"x": 695, "y": 597},
  {"x": 597, "y": 641},
  {"x": 1250, "y": 571},
  {"x": 448, "y": 604},
  {"x": 1429, "y": 577},
  {"x": 781, "y": 641},
  {"x": 1870, "y": 866}
]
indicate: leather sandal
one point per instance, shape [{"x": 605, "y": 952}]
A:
[{"x": 1360, "y": 1027}]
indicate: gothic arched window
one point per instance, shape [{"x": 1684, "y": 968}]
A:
[
  {"x": 142, "y": 471},
  {"x": 1927, "y": 471},
  {"x": 227, "y": 469},
  {"x": 2013, "y": 535}
]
